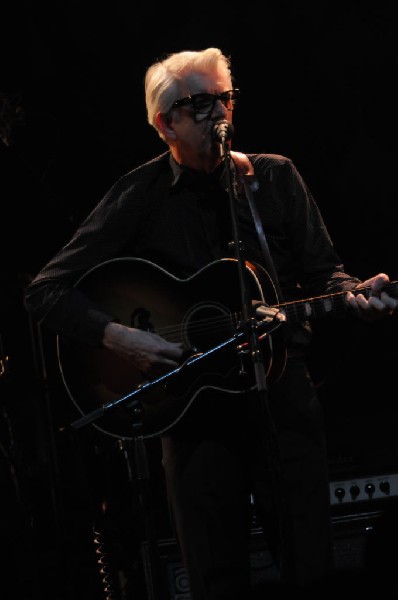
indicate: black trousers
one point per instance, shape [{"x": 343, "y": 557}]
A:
[{"x": 224, "y": 453}]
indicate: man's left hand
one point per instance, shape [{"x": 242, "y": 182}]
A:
[{"x": 376, "y": 305}]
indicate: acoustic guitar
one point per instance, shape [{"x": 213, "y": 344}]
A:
[{"x": 204, "y": 312}]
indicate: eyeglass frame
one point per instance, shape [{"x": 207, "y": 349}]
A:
[{"x": 234, "y": 94}]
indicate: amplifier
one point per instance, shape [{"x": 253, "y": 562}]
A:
[
  {"x": 351, "y": 541},
  {"x": 365, "y": 527}
]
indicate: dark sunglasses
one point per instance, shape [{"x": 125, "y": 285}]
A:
[{"x": 203, "y": 104}]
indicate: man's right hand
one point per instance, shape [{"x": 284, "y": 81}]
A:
[{"x": 151, "y": 354}]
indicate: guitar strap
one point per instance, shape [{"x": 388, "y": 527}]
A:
[{"x": 269, "y": 263}]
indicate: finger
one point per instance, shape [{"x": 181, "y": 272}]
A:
[
  {"x": 361, "y": 301},
  {"x": 173, "y": 352},
  {"x": 392, "y": 303},
  {"x": 352, "y": 301},
  {"x": 379, "y": 282},
  {"x": 376, "y": 303}
]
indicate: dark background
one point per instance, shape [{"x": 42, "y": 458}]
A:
[{"x": 318, "y": 85}]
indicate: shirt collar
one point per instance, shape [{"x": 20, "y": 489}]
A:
[
  {"x": 185, "y": 174},
  {"x": 177, "y": 170}
]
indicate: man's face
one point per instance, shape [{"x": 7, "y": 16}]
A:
[{"x": 192, "y": 144}]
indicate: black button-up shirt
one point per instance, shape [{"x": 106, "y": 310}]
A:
[{"x": 180, "y": 220}]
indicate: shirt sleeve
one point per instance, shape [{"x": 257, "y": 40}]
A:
[
  {"x": 53, "y": 297},
  {"x": 306, "y": 259},
  {"x": 320, "y": 267}
]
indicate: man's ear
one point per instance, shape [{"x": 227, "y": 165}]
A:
[{"x": 165, "y": 125}]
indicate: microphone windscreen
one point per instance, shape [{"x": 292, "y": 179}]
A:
[{"x": 222, "y": 131}]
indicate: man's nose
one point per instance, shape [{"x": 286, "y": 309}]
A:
[{"x": 220, "y": 110}]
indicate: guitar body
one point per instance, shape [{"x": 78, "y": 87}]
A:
[{"x": 201, "y": 311}]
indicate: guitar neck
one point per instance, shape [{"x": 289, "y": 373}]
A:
[{"x": 327, "y": 305}]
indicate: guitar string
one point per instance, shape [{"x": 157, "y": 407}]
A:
[
  {"x": 308, "y": 309},
  {"x": 220, "y": 324},
  {"x": 213, "y": 325}
]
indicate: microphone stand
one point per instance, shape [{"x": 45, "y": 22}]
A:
[
  {"x": 223, "y": 134},
  {"x": 249, "y": 322},
  {"x": 149, "y": 547}
]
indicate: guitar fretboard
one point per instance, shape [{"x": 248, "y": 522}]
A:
[{"x": 330, "y": 304}]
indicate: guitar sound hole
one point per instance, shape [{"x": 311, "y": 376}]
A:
[
  {"x": 206, "y": 325},
  {"x": 140, "y": 319}
]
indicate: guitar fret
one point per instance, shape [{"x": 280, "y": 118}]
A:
[
  {"x": 312, "y": 308},
  {"x": 315, "y": 308},
  {"x": 325, "y": 306}
]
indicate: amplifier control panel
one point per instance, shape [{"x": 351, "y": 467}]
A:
[{"x": 374, "y": 487}]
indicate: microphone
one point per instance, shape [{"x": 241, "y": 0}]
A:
[{"x": 222, "y": 131}]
